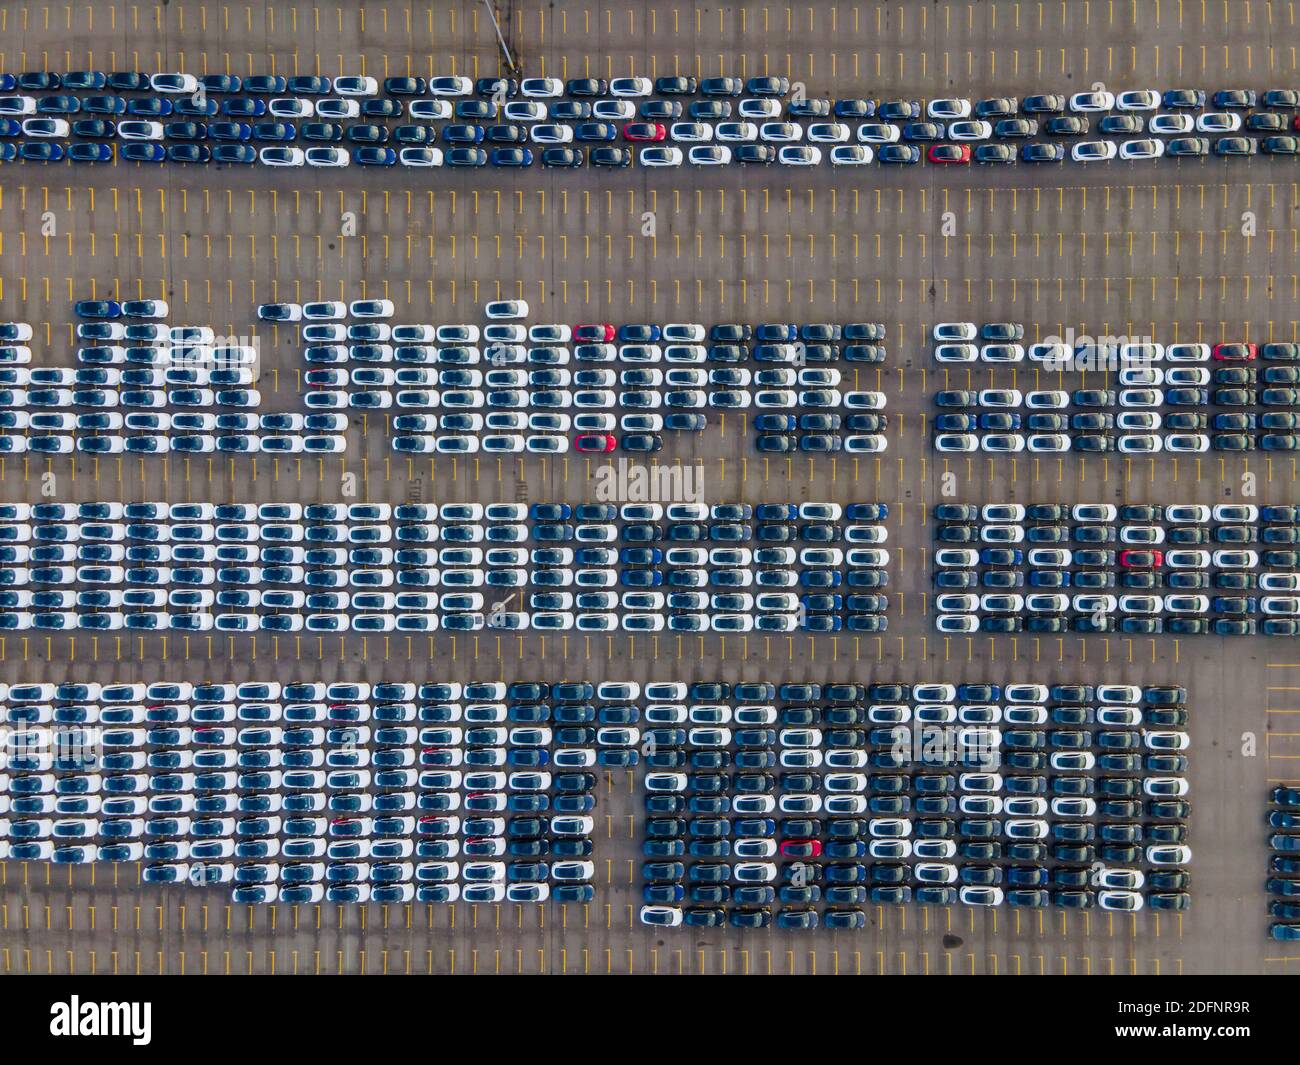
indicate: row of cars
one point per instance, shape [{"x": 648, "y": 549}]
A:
[
  {"x": 549, "y": 388},
  {"x": 1283, "y": 884},
  {"x": 823, "y": 800},
  {"x": 670, "y": 120},
  {"x": 142, "y": 387},
  {"x": 308, "y": 792},
  {"x": 1141, "y": 569},
  {"x": 1180, "y": 398},
  {"x": 458, "y": 567}
]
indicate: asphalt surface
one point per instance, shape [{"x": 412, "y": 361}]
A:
[{"x": 1139, "y": 249}]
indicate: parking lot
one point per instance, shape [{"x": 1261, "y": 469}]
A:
[{"x": 1188, "y": 250}]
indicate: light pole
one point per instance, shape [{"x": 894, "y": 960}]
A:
[{"x": 492, "y": 14}]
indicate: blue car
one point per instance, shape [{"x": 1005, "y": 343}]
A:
[
  {"x": 90, "y": 152},
  {"x": 372, "y": 155},
  {"x": 308, "y": 85},
  {"x": 243, "y": 107},
  {"x": 94, "y": 127},
  {"x": 511, "y": 157},
  {"x": 234, "y": 153},
  {"x": 149, "y": 107},
  {"x": 41, "y": 151},
  {"x": 230, "y": 131},
  {"x": 188, "y": 153},
  {"x": 143, "y": 152},
  {"x": 266, "y": 84}
]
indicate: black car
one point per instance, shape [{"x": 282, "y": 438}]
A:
[
  {"x": 1050, "y": 104},
  {"x": 1184, "y": 98},
  {"x": 768, "y": 85},
  {"x": 607, "y": 156},
  {"x": 504, "y": 88},
  {"x": 587, "y": 87},
  {"x": 560, "y": 156},
  {"x": 405, "y": 86},
  {"x": 1066, "y": 126},
  {"x": 1042, "y": 153},
  {"x": 679, "y": 85},
  {"x": 754, "y": 153},
  {"x": 722, "y": 86}
]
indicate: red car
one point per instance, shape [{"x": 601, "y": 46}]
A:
[
  {"x": 949, "y": 153},
  {"x": 593, "y": 334},
  {"x": 598, "y": 442},
  {"x": 1235, "y": 352},
  {"x": 644, "y": 131},
  {"x": 801, "y": 848},
  {"x": 1141, "y": 559}
]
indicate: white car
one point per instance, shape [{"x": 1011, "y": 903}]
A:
[
  {"x": 1093, "y": 151},
  {"x": 946, "y": 109},
  {"x": 331, "y": 107},
  {"x": 291, "y": 107},
  {"x": 541, "y": 88},
  {"x": 956, "y": 353},
  {"x": 660, "y": 155},
  {"x": 499, "y": 310},
  {"x": 878, "y": 133},
  {"x": 829, "y": 133},
  {"x": 327, "y": 156},
  {"x": 421, "y": 156},
  {"x": 177, "y": 84},
  {"x": 1146, "y": 148},
  {"x": 458, "y": 85},
  {"x": 737, "y": 132},
  {"x": 613, "y": 110},
  {"x": 1048, "y": 400},
  {"x": 1124, "y": 901},
  {"x": 632, "y": 87},
  {"x": 356, "y": 85},
  {"x": 550, "y": 133},
  {"x": 851, "y": 155},
  {"x": 1138, "y": 100},
  {"x": 1187, "y": 353},
  {"x": 973, "y": 130},
  {"x": 1090, "y": 102},
  {"x": 957, "y": 623},
  {"x": 956, "y": 442},
  {"x": 524, "y": 111},
  {"x": 1171, "y": 125},
  {"x": 799, "y": 155},
  {"x": 1170, "y": 853},
  {"x": 136, "y": 130},
  {"x": 1002, "y": 353},
  {"x": 945, "y": 332},
  {"x": 1218, "y": 122},
  {"x": 752, "y": 107},
  {"x": 280, "y": 155},
  {"x": 426, "y": 110},
  {"x": 1140, "y": 444},
  {"x": 55, "y": 127}
]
